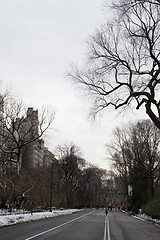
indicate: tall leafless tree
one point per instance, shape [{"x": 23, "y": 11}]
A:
[
  {"x": 70, "y": 165},
  {"x": 118, "y": 153},
  {"x": 136, "y": 158},
  {"x": 123, "y": 64},
  {"x": 19, "y": 129},
  {"x": 144, "y": 148}
]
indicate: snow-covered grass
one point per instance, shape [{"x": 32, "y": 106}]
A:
[
  {"x": 10, "y": 219},
  {"x": 144, "y": 217},
  {"x": 21, "y": 218},
  {"x": 147, "y": 218}
]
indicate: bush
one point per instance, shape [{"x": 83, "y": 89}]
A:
[{"x": 152, "y": 208}]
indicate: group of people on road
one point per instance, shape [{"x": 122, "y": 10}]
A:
[{"x": 109, "y": 209}]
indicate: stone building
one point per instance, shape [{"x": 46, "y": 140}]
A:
[
  {"x": 34, "y": 153},
  {"x": 37, "y": 155}
]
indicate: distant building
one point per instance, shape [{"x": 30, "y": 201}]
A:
[
  {"x": 34, "y": 154},
  {"x": 37, "y": 155}
]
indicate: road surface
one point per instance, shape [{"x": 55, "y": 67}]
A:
[
  {"x": 124, "y": 227},
  {"x": 86, "y": 225}
]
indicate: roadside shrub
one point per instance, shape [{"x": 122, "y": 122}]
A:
[{"x": 152, "y": 208}]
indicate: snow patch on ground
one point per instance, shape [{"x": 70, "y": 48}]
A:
[
  {"x": 147, "y": 218},
  {"x": 21, "y": 218},
  {"x": 144, "y": 217}
]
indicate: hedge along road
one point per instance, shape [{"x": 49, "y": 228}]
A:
[{"x": 86, "y": 225}]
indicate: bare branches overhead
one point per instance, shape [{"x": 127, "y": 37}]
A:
[{"x": 123, "y": 63}]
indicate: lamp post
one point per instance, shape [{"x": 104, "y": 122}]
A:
[{"x": 51, "y": 192}]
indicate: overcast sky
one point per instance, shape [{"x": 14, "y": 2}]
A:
[{"x": 39, "y": 40}]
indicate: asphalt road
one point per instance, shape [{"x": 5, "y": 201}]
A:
[
  {"x": 86, "y": 225},
  {"x": 124, "y": 227}
]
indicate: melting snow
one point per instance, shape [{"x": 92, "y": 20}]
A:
[{"x": 21, "y": 218}]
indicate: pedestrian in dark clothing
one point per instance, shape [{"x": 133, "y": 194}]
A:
[{"x": 106, "y": 211}]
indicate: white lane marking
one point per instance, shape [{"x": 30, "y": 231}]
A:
[
  {"x": 105, "y": 227},
  {"x": 61, "y": 225},
  {"x": 109, "y": 237}
]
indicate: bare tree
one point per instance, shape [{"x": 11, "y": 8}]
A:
[
  {"x": 118, "y": 151},
  {"x": 144, "y": 149},
  {"x": 135, "y": 156},
  {"x": 90, "y": 186},
  {"x": 125, "y": 5},
  {"x": 21, "y": 127},
  {"x": 123, "y": 64},
  {"x": 70, "y": 165}
]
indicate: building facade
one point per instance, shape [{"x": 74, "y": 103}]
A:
[
  {"x": 35, "y": 154},
  {"x": 23, "y": 148}
]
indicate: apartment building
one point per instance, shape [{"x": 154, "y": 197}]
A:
[{"x": 34, "y": 153}]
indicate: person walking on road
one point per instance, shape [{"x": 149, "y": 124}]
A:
[{"x": 106, "y": 210}]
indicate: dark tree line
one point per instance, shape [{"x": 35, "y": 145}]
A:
[
  {"x": 136, "y": 159},
  {"x": 79, "y": 182},
  {"x": 19, "y": 128},
  {"x": 75, "y": 184}
]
